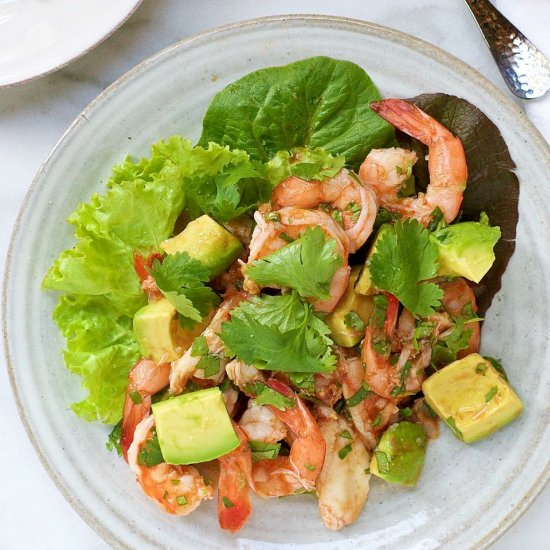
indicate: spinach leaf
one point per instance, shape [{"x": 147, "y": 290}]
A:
[
  {"x": 316, "y": 102},
  {"x": 492, "y": 185}
]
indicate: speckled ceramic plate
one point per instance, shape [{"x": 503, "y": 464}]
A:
[
  {"x": 38, "y": 37},
  {"x": 468, "y": 494}
]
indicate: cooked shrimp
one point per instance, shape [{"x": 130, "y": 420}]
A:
[
  {"x": 234, "y": 485},
  {"x": 327, "y": 387},
  {"x": 242, "y": 374},
  {"x": 343, "y": 192},
  {"x": 186, "y": 366},
  {"x": 343, "y": 485},
  {"x": 447, "y": 165},
  {"x": 307, "y": 452},
  {"x": 457, "y": 295},
  {"x": 261, "y": 424},
  {"x": 373, "y": 414},
  {"x": 176, "y": 489},
  {"x": 423, "y": 415},
  {"x": 230, "y": 397},
  {"x": 393, "y": 375},
  {"x": 276, "y": 478},
  {"x": 144, "y": 380},
  {"x": 292, "y": 222}
]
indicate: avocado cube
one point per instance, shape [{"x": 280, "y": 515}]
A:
[
  {"x": 363, "y": 284},
  {"x": 466, "y": 249},
  {"x": 399, "y": 456},
  {"x": 206, "y": 241},
  {"x": 194, "y": 427},
  {"x": 159, "y": 334},
  {"x": 348, "y": 320},
  {"x": 472, "y": 397}
]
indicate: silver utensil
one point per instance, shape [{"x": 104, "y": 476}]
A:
[{"x": 524, "y": 68}]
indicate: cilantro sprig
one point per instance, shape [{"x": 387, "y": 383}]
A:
[
  {"x": 279, "y": 333},
  {"x": 404, "y": 258},
  {"x": 307, "y": 265},
  {"x": 181, "y": 280}
]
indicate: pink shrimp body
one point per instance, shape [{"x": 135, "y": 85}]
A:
[
  {"x": 343, "y": 192},
  {"x": 144, "y": 380},
  {"x": 234, "y": 485},
  {"x": 447, "y": 164}
]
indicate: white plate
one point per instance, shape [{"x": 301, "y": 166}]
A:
[
  {"x": 468, "y": 494},
  {"x": 40, "y": 36}
]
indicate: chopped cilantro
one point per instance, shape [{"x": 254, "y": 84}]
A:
[
  {"x": 398, "y": 390},
  {"x": 344, "y": 451},
  {"x": 113, "y": 440},
  {"x": 377, "y": 421},
  {"x": 382, "y": 346},
  {"x": 337, "y": 217},
  {"x": 404, "y": 258},
  {"x": 175, "y": 481},
  {"x": 181, "y": 280},
  {"x": 181, "y": 500},
  {"x": 345, "y": 434},
  {"x": 445, "y": 350},
  {"x": 272, "y": 217},
  {"x": 437, "y": 221},
  {"x": 405, "y": 412},
  {"x": 379, "y": 313},
  {"x": 150, "y": 454},
  {"x": 384, "y": 216},
  {"x": 211, "y": 365},
  {"x": 491, "y": 393},
  {"x": 359, "y": 395},
  {"x": 306, "y": 265},
  {"x": 382, "y": 462},
  {"x": 227, "y": 503},
  {"x": 304, "y": 381},
  {"x": 481, "y": 368},
  {"x": 135, "y": 397},
  {"x": 200, "y": 347},
  {"x": 355, "y": 210},
  {"x": 422, "y": 330},
  {"x": 261, "y": 450},
  {"x": 452, "y": 424},
  {"x": 287, "y": 238},
  {"x": 354, "y": 322},
  {"x": 279, "y": 333},
  {"x": 310, "y": 467},
  {"x": 497, "y": 365},
  {"x": 264, "y": 395}
]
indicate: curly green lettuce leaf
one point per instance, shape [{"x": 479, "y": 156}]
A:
[
  {"x": 305, "y": 163},
  {"x": 290, "y": 338},
  {"x": 101, "y": 348},
  {"x": 404, "y": 258},
  {"x": 316, "y": 102},
  {"x": 181, "y": 280},
  {"x": 307, "y": 265},
  {"x": 492, "y": 185}
]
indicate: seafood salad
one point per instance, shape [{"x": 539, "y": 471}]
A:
[{"x": 291, "y": 305}]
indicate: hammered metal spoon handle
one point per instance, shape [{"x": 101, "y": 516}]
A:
[{"x": 524, "y": 68}]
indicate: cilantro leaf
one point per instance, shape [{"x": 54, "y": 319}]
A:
[
  {"x": 150, "y": 454},
  {"x": 306, "y": 265},
  {"x": 304, "y": 163},
  {"x": 262, "y": 333},
  {"x": 264, "y": 395},
  {"x": 445, "y": 350},
  {"x": 261, "y": 450},
  {"x": 113, "y": 441},
  {"x": 405, "y": 257},
  {"x": 181, "y": 280}
]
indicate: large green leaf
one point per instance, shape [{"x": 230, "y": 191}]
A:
[{"x": 316, "y": 102}]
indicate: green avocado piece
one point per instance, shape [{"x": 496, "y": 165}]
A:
[
  {"x": 159, "y": 334},
  {"x": 207, "y": 241},
  {"x": 399, "y": 456},
  {"x": 194, "y": 427},
  {"x": 466, "y": 249},
  {"x": 363, "y": 284},
  {"x": 472, "y": 397},
  {"x": 348, "y": 320}
]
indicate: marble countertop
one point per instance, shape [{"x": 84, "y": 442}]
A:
[{"x": 34, "y": 116}]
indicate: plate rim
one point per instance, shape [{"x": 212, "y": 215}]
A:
[
  {"x": 431, "y": 50},
  {"x": 78, "y": 55}
]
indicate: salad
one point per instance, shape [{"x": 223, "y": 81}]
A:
[{"x": 290, "y": 305}]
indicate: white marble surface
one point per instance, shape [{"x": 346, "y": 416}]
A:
[{"x": 34, "y": 116}]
